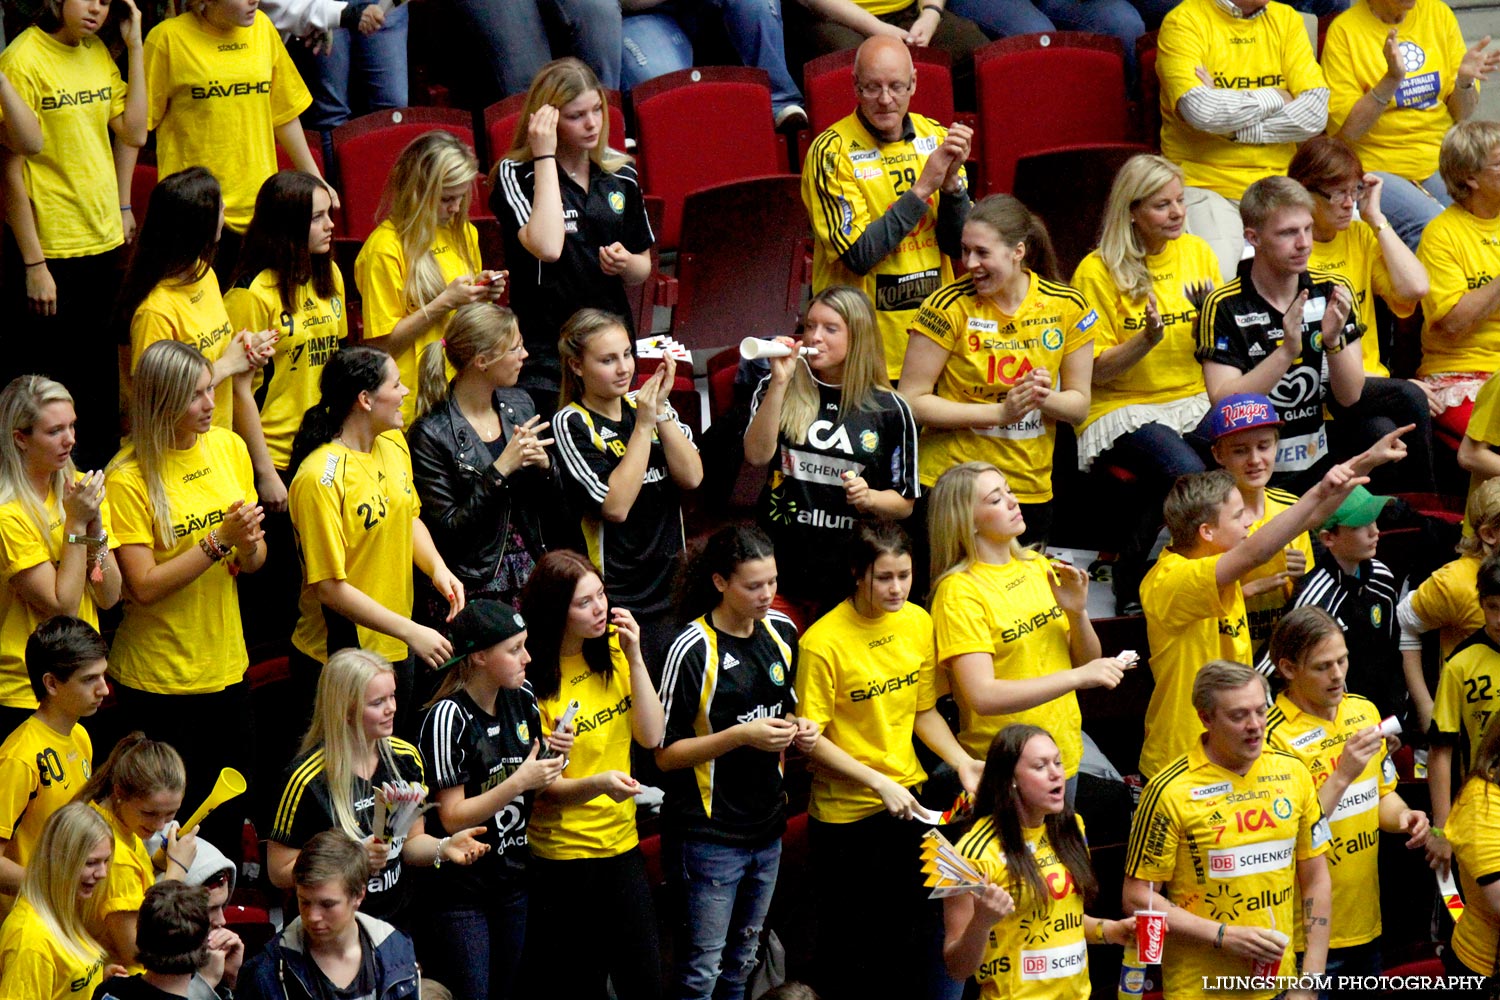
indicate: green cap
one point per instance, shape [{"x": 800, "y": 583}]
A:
[{"x": 1360, "y": 507}]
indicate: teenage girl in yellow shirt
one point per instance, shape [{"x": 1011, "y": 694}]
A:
[
  {"x": 583, "y": 835},
  {"x": 996, "y": 358},
  {"x": 182, "y": 500},
  {"x": 422, "y": 261},
  {"x": 46, "y": 952},
  {"x": 68, "y": 205},
  {"x": 1013, "y": 631},
  {"x": 138, "y": 790},
  {"x": 1029, "y": 845},
  {"x": 55, "y": 556}
]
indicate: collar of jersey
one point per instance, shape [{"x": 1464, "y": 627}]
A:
[
  {"x": 908, "y": 130},
  {"x": 1229, "y": 8}
]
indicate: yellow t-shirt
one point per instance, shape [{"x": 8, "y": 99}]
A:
[
  {"x": 34, "y": 966},
  {"x": 124, "y": 888},
  {"x": 1461, "y": 252},
  {"x": 75, "y": 91},
  {"x": 879, "y": 7},
  {"x": 1170, "y": 371},
  {"x": 988, "y": 352},
  {"x": 215, "y": 99},
  {"x": 1449, "y": 601},
  {"x": 191, "y": 641},
  {"x": 1473, "y": 828},
  {"x": 1406, "y": 138},
  {"x": 1226, "y": 848},
  {"x": 1008, "y": 611},
  {"x": 41, "y": 770},
  {"x": 1263, "y": 611},
  {"x": 311, "y": 333},
  {"x": 1484, "y": 427},
  {"x": 380, "y": 275},
  {"x": 1355, "y": 253},
  {"x": 1353, "y": 850},
  {"x": 600, "y": 827},
  {"x": 849, "y": 179},
  {"x": 1269, "y": 50},
  {"x": 1039, "y": 951},
  {"x": 193, "y": 313},
  {"x": 22, "y": 547},
  {"x": 1467, "y": 694},
  {"x": 1189, "y": 621},
  {"x": 863, "y": 681},
  {"x": 353, "y": 513}
]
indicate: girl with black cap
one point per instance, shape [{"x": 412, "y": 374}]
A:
[{"x": 481, "y": 738}]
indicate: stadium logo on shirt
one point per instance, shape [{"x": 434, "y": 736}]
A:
[
  {"x": 523, "y": 732},
  {"x": 617, "y": 202},
  {"x": 869, "y": 440},
  {"x": 1376, "y": 616},
  {"x": 1282, "y": 807},
  {"x": 1052, "y": 339},
  {"x": 778, "y": 674}
]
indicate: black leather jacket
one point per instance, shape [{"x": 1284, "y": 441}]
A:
[{"x": 467, "y": 505}]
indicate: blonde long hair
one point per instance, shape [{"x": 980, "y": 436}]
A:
[
  {"x": 413, "y": 193},
  {"x": 1120, "y": 247},
  {"x": 21, "y": 404},
  {"x": 559, "y": 83},
  {"x": 166, "y": 376},
  {"x": 338, "y": 730},
  {"x": 476, "y": 330},
  {"x": 950, "y": 521},
  {"x": 50, "y": 885},
  {"x": 864, "y": 365}
]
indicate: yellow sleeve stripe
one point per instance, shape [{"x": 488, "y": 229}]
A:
[
  {"x": 402, "y": 748},
  {"x": 823, "y": 186},
  {"x": 291, "y": 796},
  {"x": 1147, "y": 809}
]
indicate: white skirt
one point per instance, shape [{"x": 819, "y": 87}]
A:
[{"x": 1182, "y": 415}]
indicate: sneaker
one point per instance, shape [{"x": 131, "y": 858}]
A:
[{"x": 791, "y": 118}]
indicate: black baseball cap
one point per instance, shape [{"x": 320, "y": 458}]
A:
[{"x": 481, "y": 624}]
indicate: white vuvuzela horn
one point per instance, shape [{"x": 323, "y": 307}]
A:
[{"x": 752, "y": 348}]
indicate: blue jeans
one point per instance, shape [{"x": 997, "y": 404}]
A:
[
  {"x": 728, "y": 891},
  {"x": 1157, "y": 455},
  {"x": 377, "y": 62},
  {"x": 515, "y": 37},
  {"x": 474, "y": 952},
  {"x": 1356, "y": 960},
  {"x": 1409, "y": 205},
  {"x": 1003, "y": 18},
  {"x": 658, "y": 42}
]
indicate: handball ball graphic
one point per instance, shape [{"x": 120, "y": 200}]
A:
[{"x": 1412, "y": 56}]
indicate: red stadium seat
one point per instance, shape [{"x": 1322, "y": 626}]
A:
[
  {"x": 658, "y": 289},
  {"x": 142, "y": 183},
  {"x": 701, "y": 127},
  {"x": 1148, "y": 123},
  {"x": 1068, "y": 188},
  {"x": 501, "y": 117},
  {"x": 722, "y": 368},
  {"x": 314, "y": 146},
  {"x": 739, "y": 264},
  {"x": 1039, "y": 92},
  {"x": 366, "y": 150}
]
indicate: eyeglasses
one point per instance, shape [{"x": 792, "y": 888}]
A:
[
  {"x": 870, "y": 91},
  {"x": 1343, "y": 194}
]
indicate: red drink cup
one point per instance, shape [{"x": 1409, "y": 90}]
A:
[
  {"x": 1268, "y": 969},
  {"x": 1150, "y": 935}
]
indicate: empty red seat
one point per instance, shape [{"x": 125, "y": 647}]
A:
[
  {"x": 701, "y": 127},
  {"x": 367, "y": 147},
  {"x": 314, "y": 146},
  {"x": 1068, "y": 189},
  {"x": 142, "y": 183},
  {"x": 1042, "y": 91},
  {"x": 740, "y": 262}
]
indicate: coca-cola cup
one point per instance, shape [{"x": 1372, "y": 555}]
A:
[
  {"x": 1266, "y": 970},
  {"x": 1150, "y": 935}
]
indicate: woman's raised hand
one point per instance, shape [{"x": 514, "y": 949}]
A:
[
  {"x": 241, "y": 528},
  {"x": 82, "y": 499},
  {"x": 541, "y": 131}
]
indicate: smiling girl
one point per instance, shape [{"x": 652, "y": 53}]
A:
[
  {"x": 624, "y": 459},
  {"x": 46, "y": 952},
  {"x": 837, "y": 441},
  {"x": 138, "y": 789},
  {"x": 571, "y": 211},
  {"x": 730, "y": 720},
  {"x": 984, "y": 585},
  {"x": 996, "y": 358},
  {"x": 69, "y": 204},
  {"x": 54, "y": 531}
]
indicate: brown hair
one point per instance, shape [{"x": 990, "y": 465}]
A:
[
  {"x": 1324, "y": 162},
  {"x": 1222, "y": 675},
  {"x": 1015, "y": 223},
  {"x": 1195, "y": 500},
  {"x": 332, "y": 856},
  {"x": 1270, "y": 195},
  {"x": 1299, "y": 631}
]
